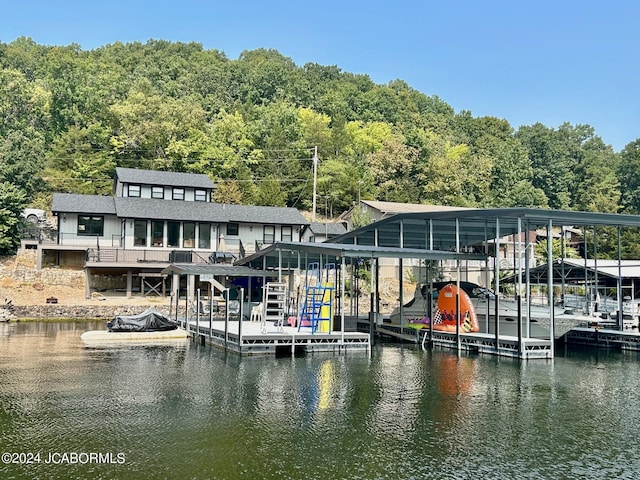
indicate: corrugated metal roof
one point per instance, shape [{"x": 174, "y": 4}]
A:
[
  {"x": 398, "y": 207},
  {"x": 291, "y": 253},
  {"x": 446, "y": 230},
  {"x": 157, "y": 177},
  {"x": 214, "y": 269}
]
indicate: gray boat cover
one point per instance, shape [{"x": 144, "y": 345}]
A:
[{"x": 148, "y": 321}]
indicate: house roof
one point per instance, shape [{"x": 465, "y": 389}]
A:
[
  {"x": 74, "y": 203},
  {"x": 151, "y": 208},
  {"x": 264, "y": 214},
  {"x": 327, "y": 228},
  {"x": 390, "y": 208},
  {"x": 158, "y": 209},
  {"x": 158, "y": 177}
]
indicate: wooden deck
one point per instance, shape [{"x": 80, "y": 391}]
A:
[{"x": 257, "y": 338}]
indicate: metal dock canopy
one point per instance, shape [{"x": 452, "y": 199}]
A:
[
  {"x": 451, "y": 230},
  {"x": 295, "y": 254}
]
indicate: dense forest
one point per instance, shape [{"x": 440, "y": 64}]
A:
[{"x": 68, "y": 117}]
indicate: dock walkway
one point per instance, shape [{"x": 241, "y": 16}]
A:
[
  {"x": 256, "y": 338},
  {"x": 604, "y": 338}
]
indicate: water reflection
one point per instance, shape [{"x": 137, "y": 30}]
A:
[{"x": 194, "y": 411}]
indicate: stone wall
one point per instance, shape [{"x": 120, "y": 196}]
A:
[{"x": 53, "y": 311}]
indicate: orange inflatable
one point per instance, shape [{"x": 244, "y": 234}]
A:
[{"x": 445, "y": 315}]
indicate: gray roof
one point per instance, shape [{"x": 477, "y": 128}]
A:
[
  {"x": 180, "y": 210},
  {"x": 73, "y": 203},
  {"x": 262, "y": 214},
  {"x": 397, "y": 207},
  {"x": 291, "y": 253},
  {"x": 320, "y": 228},
  {"x": 157, "y": 209},
  {"x": 474, "y": 226},
  {"x": 214, "y": 269},
  {"x": 158, "y": 177}
]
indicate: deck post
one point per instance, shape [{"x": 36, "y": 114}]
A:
[
  {"x": 198, "y": 312},
  {"x": 496, "y": 272},
  {"x": 240, "y": 319},
  {"x": 226, "y": 320},
  {"x": 552, "y": 326}
]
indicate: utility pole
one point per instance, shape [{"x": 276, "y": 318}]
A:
[{"x": 315, "y": 179}]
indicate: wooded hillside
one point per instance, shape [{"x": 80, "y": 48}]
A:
[{"x": 68, "y": 117}]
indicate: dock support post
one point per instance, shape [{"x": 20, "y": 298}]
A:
[
  {"x": 198, "y": 312},
  {"x": 240, "y": 315}
]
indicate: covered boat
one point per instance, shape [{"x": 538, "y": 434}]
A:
[{"x": 148, "y": 321}]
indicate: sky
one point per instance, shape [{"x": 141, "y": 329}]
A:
[{"x": 546, "y": 61}]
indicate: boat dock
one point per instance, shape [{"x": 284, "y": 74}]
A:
[
  {"x": 259, "y": 338},
  {"x": 603, "y": 338},
  {"x": 508, "y": 345}
]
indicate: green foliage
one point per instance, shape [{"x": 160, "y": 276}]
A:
[
  {"x": 12, "y": 201},
  {"x": 68, "y": 117},
  {"x": 557, "y": 250}
]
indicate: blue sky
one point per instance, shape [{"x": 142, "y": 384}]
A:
[{"x": 536, "y": 61}]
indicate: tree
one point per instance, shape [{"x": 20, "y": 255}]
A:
[
  {"x": 12, "y": 202},
  {"x": 81, "y": 162},
  {"x": 628, "y": 173}
]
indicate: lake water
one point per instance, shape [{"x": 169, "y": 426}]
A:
[{"x": 190, "y": 411}]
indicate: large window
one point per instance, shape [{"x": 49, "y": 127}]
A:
[
  {"x": 188, "y": 235},
  {"x": 204, "y": 235},
  {"x": 157, "y": 192},
  {"x": 134, "y": 190},
  {"x": 157, "y": 233},
  {"x": 200, "y": 195},
  {"x": 90, "y": 225},
  {"x": 173, "y": 234},
  {"x": 233, "y": 229},
  {"x": 178, "y": 193},
  {"x": 287, "y": 234},
  {"x": 269, "y": 234},
  {"x": 140, "y": 233}
]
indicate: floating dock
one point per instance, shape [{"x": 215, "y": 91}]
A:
[
  {"x": 603, "y": 338},
  {"x": 508, "y": 345},
  {"x": 259, "y": 338}
]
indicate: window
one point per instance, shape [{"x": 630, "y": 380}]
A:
[
  {"x": 157, "y": 192},
  {"x": 233, "y": 229},
  {"x": 287, "y": 234},
  {"x": 269, "y": 234},
  {"x": 134, "y": 190},
  {"x": 188, "y": 235},
  {"x": 140, "y": 233},
  {"x": 157, "y": 233},
  {"x": 178, "y": 193},
  {"x": 200, "y": 195},
  {"x": 204, "y": 235},
  {"x": 173, "y": 234},
  {"x": 90, "y": 225}
]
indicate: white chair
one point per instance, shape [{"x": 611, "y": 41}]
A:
[{"x": 256, "y": 313}]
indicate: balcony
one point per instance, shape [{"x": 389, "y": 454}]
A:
[{"x": 137, "y": 256}]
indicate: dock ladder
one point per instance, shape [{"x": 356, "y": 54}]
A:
[{"x": 317, "y": 307}]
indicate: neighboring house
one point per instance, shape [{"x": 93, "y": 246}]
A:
[
  {"x": 321, "y": 232},
  {"x": 157, "y": 218},
  {"x": 374, "y": 210}
]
